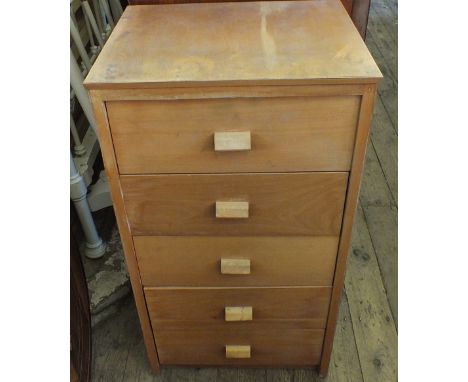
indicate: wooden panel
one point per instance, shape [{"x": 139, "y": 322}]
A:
[
  {"x": 287, "y": 134},
  {"x": 303, "y": 307},
  {"x": 360, "y": 15},
  {"x": 348, "y": 4},
  {"x": 297, "y": 89},
  {"x": 274, "y": 261},
  {"x": 348, "y": 219},
  {"x": 194, "y": 44},
  {"x": 269, "y": 346},
  {"x": 80, "y": 317},
  {"x": 357, "y": 9},
  {"x": 105, "y": 141},
  {"x": 288, "y": 204}
]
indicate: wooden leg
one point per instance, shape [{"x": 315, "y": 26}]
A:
[
  {"x": 155, "y": 368},
  {"x": 323, "y": 374}
]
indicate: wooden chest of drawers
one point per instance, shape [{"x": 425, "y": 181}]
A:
[{"x": 234, "y": 136}]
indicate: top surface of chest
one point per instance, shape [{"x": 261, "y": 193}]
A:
[{"x": 276, "y": 42}]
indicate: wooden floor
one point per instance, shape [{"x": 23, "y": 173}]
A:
[{"x": 365, "y": 347}]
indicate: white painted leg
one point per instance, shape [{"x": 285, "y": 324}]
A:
[
  {"x": 76, "y": 79},
  {"x": 99, "y": 196},
  {"x": 116, "y": 8},
  {"x": 99, "y": 16},
  {"x": 94, "y": 24},
  {"x": 78, "y": 148},
  {"x": 107, "y": 13},
  {"x": 95, "y": 248},
  {"x": 79, "y": 44}
]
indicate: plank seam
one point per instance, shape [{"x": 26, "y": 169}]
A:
[
  {"x": 382, "y": 278},
  {"x": 384, "y": 175}
]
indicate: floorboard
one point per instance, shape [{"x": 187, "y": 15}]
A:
[
  {"x": 382, "y": 224},
  {"x": 373, "y": 325},
  {"x": 385, "y": 143},
  {"x": 384, "y": 42},
  {"x": 388, "y": 86},
  {"x": 252, "y": 375},
  {"x": 344, "y": 364},
  {"x": 374, "y": 188},
  {"x": 383, "y": 15}
]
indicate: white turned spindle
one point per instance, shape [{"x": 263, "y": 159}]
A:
[
  {"x": 76, "y": 79},
  {"x": 90, "y": 34},
  {"x": 78, "y": 148},
  {"x": 79, "y": 44},
  {"x": 107, "y": 13},
  {"x": 99, "y": 16},
  {"x": 92, "y": 21},
  {"x": 116, "y": 8},
  {"x": 94, "y": 248}
]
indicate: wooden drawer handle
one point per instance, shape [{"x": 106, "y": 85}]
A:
[
  {"x": 232, "y": 210},
  {"x": 238, "y": 313},
  {"x": 232, "y": 141},
  {"x": 235, "y": 266},
  {"x": 237, "y": 351}
]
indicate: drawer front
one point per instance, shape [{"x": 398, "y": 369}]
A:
[
  {"x": 277, "y": 204},
  {"x": 175, "y": 308},
  {"x": 267, "y": 346},
  {"x": 286, "y": 134},
  {"x": 254, "y": 261}
]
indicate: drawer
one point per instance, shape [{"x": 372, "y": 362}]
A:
[
  {"x": 248, "y": 261},
  {"x": 267, "y": 346},
  {"x": 276, "y": 204},
  {"x": 286, "y": 134},
  {"x": 299, "y": 307}
]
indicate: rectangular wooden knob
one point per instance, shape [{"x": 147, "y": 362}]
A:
[
  {"x": 235, "y": 266},
  {"x": 237, "y": 351},
  {"x": 232, "y": 141},
  {"x": 238, "y": 313},
  {"x": 232, "y": 210}
]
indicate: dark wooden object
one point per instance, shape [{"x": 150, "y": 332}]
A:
[
  {"x": 357, "y": 9},
  {"x": 80, "y": 319}
]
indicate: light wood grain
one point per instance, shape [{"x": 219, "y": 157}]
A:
[
  {"x": 352, "y": 195},
  {"x": 176, "y": 308},
  {"x": 358, "y": 9},
  {"x": 235, "y": 266},
  {"x": 279, "y": 204},
  {"x": 214, "y": 91},
  {"x": 232, "y": 141},
  {"x": 105, "y": 141},
  {"x": 238, "y": 313},
  {"x": 269, "y": 346},
  {"x": 360, "y": 15},
  {"x": 288, "y": 133},
  {"x": 237, "y": 351},
  {"x": 298, "y": 203},
  {"x": 233, "y": 42},
  {"x": 248, "y": 261},
  {"x": 367, "y": 298},
  {"x": 231, "y": 210}
]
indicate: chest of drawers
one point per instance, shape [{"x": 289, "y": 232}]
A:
[{"x": 233, "y": 136}]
